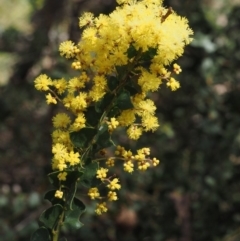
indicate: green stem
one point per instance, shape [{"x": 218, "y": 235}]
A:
[
  {"x": 104, "y": 158},
  {"x": 56, "y": 231}
]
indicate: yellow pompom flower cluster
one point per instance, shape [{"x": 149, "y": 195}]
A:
[
  {"x": 141, "y": 158},
  {"x": 143, "y": 27},
  {"x": 102, "y": 173},
  {"x": 114, "y": 184},
  {"x": 93, "y": 193},
  {"x": 43, "y": 82},
  {"x": 110, "y": 162},
  {"x": 68, "y": 49},
  {"x": 120, "y": 59},
  {"x": 62, "y": 176},
  {"x": 101, "y": 208},
  {"x": 63, "y": 158},
  {"x": 173, "y": 84},
  {"x": 59, "y": 194},
  {"x": 177, "y": 69},
  {"x": 111, "y": 185},
  {"x": 112, "y": 124},
  {"x": 112, "y": 196}
]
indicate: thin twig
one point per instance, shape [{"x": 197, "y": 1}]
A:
[{"x": 169, "y": 12}]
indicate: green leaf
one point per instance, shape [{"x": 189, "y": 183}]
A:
[
  {"x": 102, "y": 129},
  {"x": 115, "y": 111},
  {"x": 124, "y": 101},
  {"x": 113, "y": 83},
  {"x": 71, "y": 194},
  {"x": 132, "y": 90},
  {"x": 89, "y": 173},
  {"x": 41, "y": 234},
  {"x": 72, "y": 215},
  {"x": 82, "y": 138},
  {"x": 50, "y": 196},
  {"x": 92, "y": 116},
  {"x": 101, "y": 105},
  {"x": 53, "y": 178},
  {"x": 105, "y": 140},
  {"x": 104, "y": 137},
  {"x": 131, "y": 52},
  {"x": 72, "y": 177},
  {"x": 149, "y": 54},
  {"x": 147, "y": 57},
  {"x": 50, "y": 216},
  {"x": 121, "y": 72},
  {"x": 132, "y": 86}
]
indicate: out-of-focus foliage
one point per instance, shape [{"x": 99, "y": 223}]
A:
[{"x": 195, "y": 193}]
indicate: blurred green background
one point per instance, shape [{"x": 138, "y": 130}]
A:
[{"x": 194, "y": 195}]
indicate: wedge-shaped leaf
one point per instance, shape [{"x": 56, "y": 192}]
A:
[
  {"x": 102, "y": 129},
  {"x": 104, "y": 103},
  {"x": 104, "y": 137},
  {"x": 89, "y": 174},
  {"x": 82, "y": 138},
  {"x": 72, "y": 215},
  {"x": 50, "y": 216},
  {"x": 113, "y": 83},
  {"x": 122, "y": 72},
  {"x": 92, "y": 116},
  {"x": 131, "y": 52},
  {"x": 105, "y": 140},
  {"x": 147, "y": 57},
  {"x": 71, "y": 194},
  {"x": 53, "y": 178},
  {"x": 133, "y": 88},
  {"x": 115, "y": 111},
  {"x": 124, "y": 101},
  {"x": 41, "y": 234},
  {"x": 72, "y": 177},
  {"x": 50, "y": 196}
]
